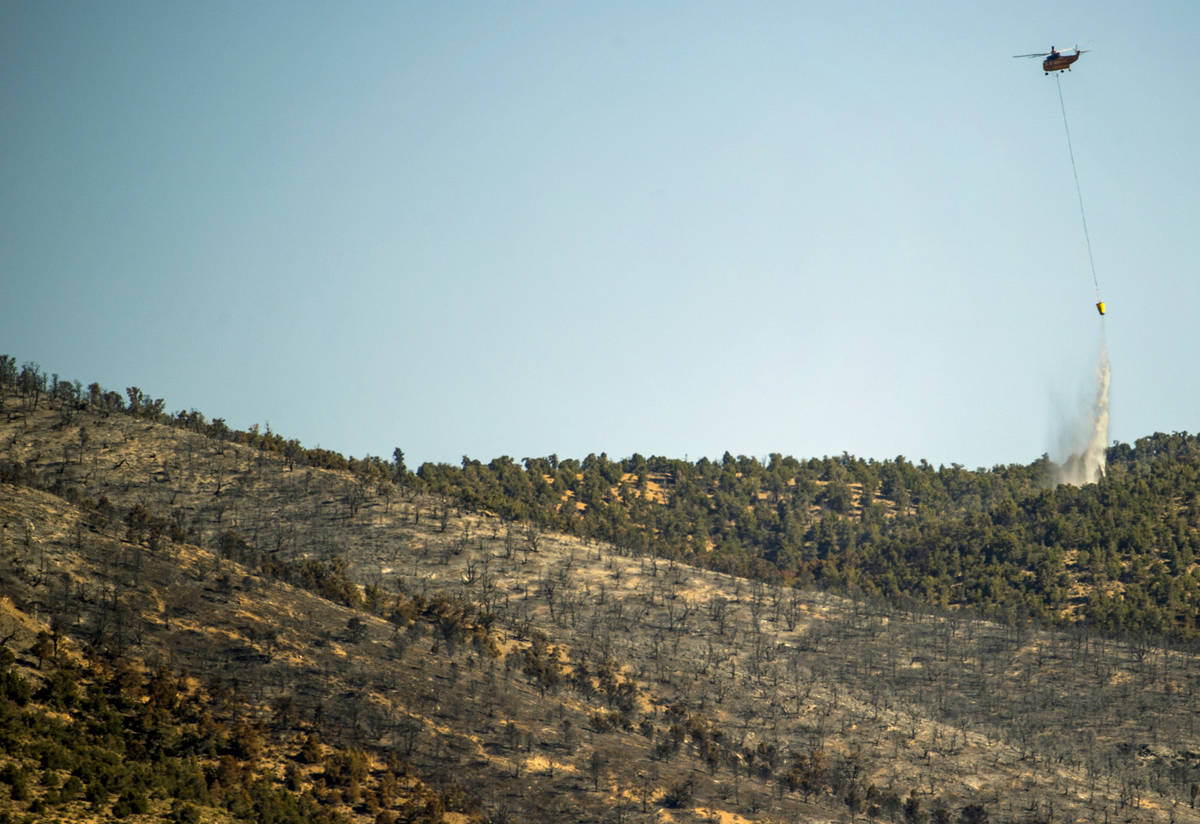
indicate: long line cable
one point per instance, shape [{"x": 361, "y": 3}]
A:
[{"x": 1078, "y": 192}]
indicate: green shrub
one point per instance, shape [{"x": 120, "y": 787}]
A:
[
  {"x": 183, "y": 812},
  {"x": 131, "y": 802},
  {"x": 14, "y": 688},
  {"x": 71, "y": 789},
  {"x": 17, "y": 780}
]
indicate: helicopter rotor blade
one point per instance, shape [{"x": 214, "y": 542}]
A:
[{"x": 1039, "y": 54}]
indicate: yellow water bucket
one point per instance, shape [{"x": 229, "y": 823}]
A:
[{"x": 1100, "y": 307}]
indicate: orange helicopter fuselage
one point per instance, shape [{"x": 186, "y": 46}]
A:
[{"x": 1060, "y": 62}]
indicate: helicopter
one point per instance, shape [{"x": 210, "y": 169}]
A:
[{"x": 1055, "y": 60}]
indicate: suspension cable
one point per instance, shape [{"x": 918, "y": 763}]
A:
[{"x": 1078, "y": 192}]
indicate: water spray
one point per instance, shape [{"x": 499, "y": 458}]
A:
[{"x": 1085, "y": 432}]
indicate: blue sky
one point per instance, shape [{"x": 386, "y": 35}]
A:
[{"x": 667, "y": 228}]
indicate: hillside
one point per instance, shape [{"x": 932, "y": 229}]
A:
[
  {"x": 512, "y": 672},
  {"x": 1119, "y": 556}
]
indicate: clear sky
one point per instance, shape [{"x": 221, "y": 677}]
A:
[{"x": 564, "y": 227}]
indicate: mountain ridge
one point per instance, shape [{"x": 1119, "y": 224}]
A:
[
  {"x": 571, "y": 678},
  {"x": 1119, "y": 555}
]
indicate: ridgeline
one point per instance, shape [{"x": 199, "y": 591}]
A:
[
  {"x": 1119, "y": 556},
  {"x": 204, "y": 624}
]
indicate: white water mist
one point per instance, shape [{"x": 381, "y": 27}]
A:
[{"x": 1086, "y": 436}]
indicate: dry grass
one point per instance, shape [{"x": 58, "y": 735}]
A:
[{"x": 938, "y": 707}]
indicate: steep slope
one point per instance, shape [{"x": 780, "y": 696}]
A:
[
  {"x": 555, "y": 677},
  {"x": 1119, "y": 556},
  {"x": 240, "y": 678}
]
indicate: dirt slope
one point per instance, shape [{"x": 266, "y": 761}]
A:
[{"x": 561, "y": 681}]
